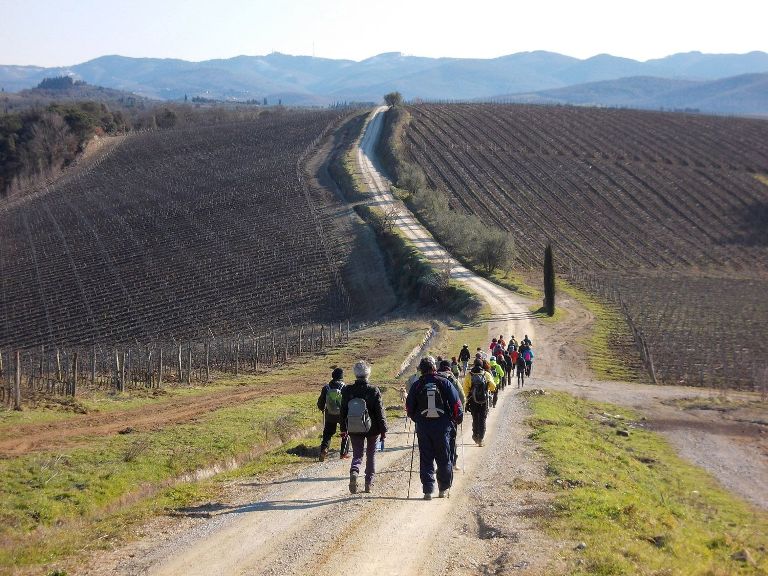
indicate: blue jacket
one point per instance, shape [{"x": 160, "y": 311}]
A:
[{"x": 453, "y": 410}]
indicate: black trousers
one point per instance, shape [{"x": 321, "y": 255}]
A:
[
  {"x": 479, "y": 416},
  {"x": 328, "y": 431}
]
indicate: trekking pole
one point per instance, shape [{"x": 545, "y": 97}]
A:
[
  {"x": 463, "y": 450},
  {"x": 410, "y": 474}
]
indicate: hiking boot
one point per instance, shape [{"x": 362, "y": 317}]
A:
[
  {"x": 427, "y": 496},
  {"x": 323, "y": 454},
  {"x": 353, "y": 482},
  {"x": 474, "y": 438},
  {"x": 457, "y": 466},
  {"x": 367, "y": 488},
  {"x": 444, "y": 493},
  {"x": 478, "y": 440}
]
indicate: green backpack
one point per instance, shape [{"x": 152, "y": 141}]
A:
[{"x": 333, "y": 401}]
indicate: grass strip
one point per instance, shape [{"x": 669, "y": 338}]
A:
[
  {"x": 636, "y": 505},
  {"x": 611, "y": 349}
]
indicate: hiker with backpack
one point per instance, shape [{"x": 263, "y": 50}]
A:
[
  {"x": 520, "y": 368},
  {"x": 478, "y": 386},
  {"x": 434, "y": 405},
  {"x": 329, "y": 403},
  {"x": 464, "y": 357},
  {"x": 498, "y": 376},
  {"x": 508, "y": 367},
  {"x": 528, "y": 357},
  {"x": 362, "y": 419},
  {"x": 445, "y": 371}
]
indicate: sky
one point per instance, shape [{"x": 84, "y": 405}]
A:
[{"x": 65, "y": 32}]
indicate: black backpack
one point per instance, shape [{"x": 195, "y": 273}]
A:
[
  {"x": 429, "y": 400},
  {"x": 478, "y": 390}
]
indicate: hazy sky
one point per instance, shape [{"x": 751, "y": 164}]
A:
[{"x": 63, "y": 32}]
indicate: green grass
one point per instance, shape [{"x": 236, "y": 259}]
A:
[
  {"x": 515, "y": 282},
  {"x": 639, "y": 508},
  {"x": 610, "y": 342},
  {"x": 54, "y": 504},
  {"x": 39, "y": 491}
]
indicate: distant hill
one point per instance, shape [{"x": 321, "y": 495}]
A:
[
  {"x": 66, "y": 88},
  {"x": 746, "y": 94},
  {"x": 313, "y": 81}
]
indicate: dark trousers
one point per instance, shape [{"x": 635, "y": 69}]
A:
[
  {"x": 479, "y": 416},
  {"x": 435, "y": 446},
  {"x": 454, "y": 450},
  {"x": 328, "y": 431},
  {"x": 365, "y": 444}
]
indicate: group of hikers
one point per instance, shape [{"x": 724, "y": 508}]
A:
[{"x": 436, "y": 398}]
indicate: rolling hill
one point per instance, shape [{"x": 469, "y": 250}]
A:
[
  {"x": 309, "y": 80},
  {"x": 746, "y": 94}
]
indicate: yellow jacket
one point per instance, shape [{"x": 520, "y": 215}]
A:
[{"x": 488, "y": 378}]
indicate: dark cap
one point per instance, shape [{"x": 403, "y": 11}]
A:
[{"x": 337, "y": 374}]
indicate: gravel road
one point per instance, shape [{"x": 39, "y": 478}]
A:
[{"x": 307, "y": 522}]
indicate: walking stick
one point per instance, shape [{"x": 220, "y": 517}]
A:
[
  {"x": 463, "y": 450},
  {"x": 410, "y": 474}
]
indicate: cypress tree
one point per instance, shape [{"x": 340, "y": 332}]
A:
[{"x": 549, "y": 281}]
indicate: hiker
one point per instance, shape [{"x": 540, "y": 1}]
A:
[
  {"x": 527, "y": 341},
  {"x": 330, "y": 404},
  {"x": 478, "y": 383},
  {"x": 455, "y": 368},
  {"x": 464, "y": 357},
  {"x": 444, "y": 370},
  {"x": 434, "y": 406},
  {"x": 512, "y": 346},
  {"x": 520, "y": 368},
  {"x": 528, "y": 356},
  {"x": 493, "y": 345},
  {"x": 364, "y": 420},
  {"x": 502, "y": 342},
  {"x": 508, "y": 367},
  {"x": 498, "y": 374}
]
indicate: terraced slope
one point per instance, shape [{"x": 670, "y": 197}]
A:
[
  {"x": 666, "y": 214},
  {"x": 172, "y": 235}
]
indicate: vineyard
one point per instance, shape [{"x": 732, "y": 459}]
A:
[
  {"x": 665, "y": 213},
  {"x": 174, "y": 235}
]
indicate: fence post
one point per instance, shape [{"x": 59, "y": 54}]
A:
[
  {"x": 160, "y": 365},
  {"x": 189, "y": 363},
  {"x": 74, "y": 374},
  {"x": 17, "y": 383},
  {"x": 207, "y": 361},
  {"x": 237, "y": 357}
]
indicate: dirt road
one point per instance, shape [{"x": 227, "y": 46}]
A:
[
  {"x": 309, "y": 523},
  {"x": 297, "y": 525}
]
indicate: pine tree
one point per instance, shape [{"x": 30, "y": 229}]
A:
[{"x": 549, "y": 281}]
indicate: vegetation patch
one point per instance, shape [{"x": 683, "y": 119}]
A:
[
  {"x": 611, "y": 351},
  {"x": 413, "y": 276},
  {"x": 630, "y": 505}
]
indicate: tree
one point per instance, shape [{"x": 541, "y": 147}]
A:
[
  {"x": 549, "y": 282},
  {"x": 394, "y": 99},
  {"x": 495, "y": 248}
]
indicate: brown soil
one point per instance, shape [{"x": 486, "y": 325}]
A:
[{"x": 25, "y": 438}]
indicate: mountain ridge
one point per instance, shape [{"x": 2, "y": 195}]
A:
[{"x": 313, "y": 80}]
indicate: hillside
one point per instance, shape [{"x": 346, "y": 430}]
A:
[
  {"x": 178, "y": 234},
  {"x": 746, "y": 94},
  {"x": 308, "y": 80},
  {"x": 666, "y": 215}
]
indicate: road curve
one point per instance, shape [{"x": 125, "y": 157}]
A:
[{"x": 309, "y": 523}]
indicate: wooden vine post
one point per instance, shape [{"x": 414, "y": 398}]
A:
[{"x": 17, "y": 383}]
